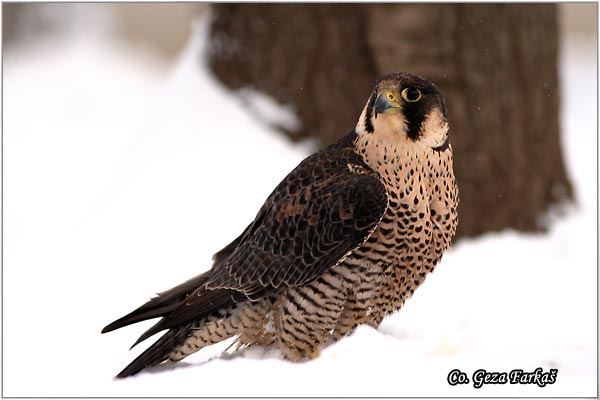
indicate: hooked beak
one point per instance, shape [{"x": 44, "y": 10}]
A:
[{"x": 382, "y": 104}]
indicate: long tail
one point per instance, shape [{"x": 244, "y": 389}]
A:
[
  {"x": 160, "y": 305},
  {"x": 194, "y": 316},
  {"x": 158, "y": 352},
  {"x": 183, "y": 340}
]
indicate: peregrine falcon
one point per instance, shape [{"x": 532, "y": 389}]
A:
[{"x": 343, "y": 240}]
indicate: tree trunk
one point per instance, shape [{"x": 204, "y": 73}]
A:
[{"x": 495, "y": 63}]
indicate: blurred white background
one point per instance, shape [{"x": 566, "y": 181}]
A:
[{"x": 127, "y": 165}]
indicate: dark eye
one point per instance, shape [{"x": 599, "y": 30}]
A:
[{"x": 411, "y": 95}]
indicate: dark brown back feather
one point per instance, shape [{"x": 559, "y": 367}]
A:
[{"x": 320, "y": 212}]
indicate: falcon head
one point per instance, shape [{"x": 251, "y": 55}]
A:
[{"x": 405, "y": 107}]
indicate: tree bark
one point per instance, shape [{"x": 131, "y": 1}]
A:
[{"x": 495, "y": 63}]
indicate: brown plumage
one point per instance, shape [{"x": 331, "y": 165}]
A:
[{"x": 343, "y": 240}]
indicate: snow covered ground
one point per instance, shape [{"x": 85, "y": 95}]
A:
[{"x": 121, "y": 181}]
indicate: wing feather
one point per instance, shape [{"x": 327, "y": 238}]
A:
[{"x": 322, "y": 211}]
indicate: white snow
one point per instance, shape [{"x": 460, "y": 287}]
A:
[{"x": 120, "y": 182}]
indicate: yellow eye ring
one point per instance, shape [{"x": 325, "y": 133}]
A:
[{"x": 411, "y": 95}]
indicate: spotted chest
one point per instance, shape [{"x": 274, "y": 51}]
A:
[{"x": 417, "y": 226}]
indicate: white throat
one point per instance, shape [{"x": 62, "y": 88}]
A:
[{"x": 389, "y": 125}]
